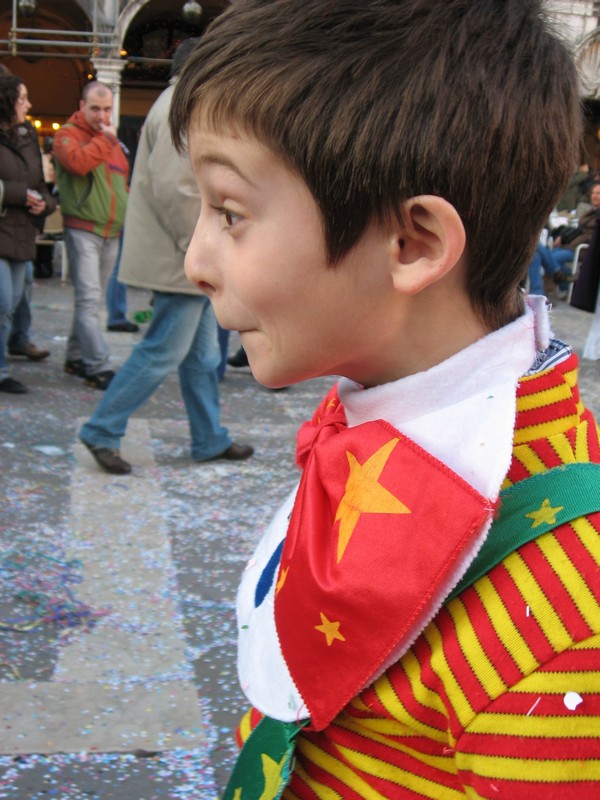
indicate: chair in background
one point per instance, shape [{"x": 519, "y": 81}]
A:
[
  {"x": 51, "y": 235},
  {"x": 574, "y": 266}
]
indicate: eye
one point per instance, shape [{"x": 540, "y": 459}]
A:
[{"x": 230, "y": 217}]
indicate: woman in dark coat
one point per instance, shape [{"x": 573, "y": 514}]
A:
[{"x": 23, "y": 196}]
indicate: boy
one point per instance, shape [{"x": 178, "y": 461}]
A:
[{"x": 371, "y": 198}]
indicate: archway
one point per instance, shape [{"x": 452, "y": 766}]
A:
[
  {"x": 54, "y": 74},
  {"x": 150, "y": 31}
]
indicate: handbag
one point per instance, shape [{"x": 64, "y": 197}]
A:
[{"x": 568, "y": 234}]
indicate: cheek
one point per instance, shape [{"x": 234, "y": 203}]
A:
[{"x": 278, "y": 306}]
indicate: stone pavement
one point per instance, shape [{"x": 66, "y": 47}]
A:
[
  {"x": 117, "y": 649},
  {"x": 117, "y": 640}
]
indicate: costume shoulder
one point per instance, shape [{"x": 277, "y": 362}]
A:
[{"x": 504, "y": 681}]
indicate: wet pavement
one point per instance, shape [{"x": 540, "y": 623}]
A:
[{"x": 117, "y": 640}]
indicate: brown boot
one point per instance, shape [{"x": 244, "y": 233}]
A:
[
  {"x": 30, "y": 351},
  {"x": 109, "y": 459}
]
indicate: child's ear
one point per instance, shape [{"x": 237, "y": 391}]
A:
[{"x": 429, "y": 240}]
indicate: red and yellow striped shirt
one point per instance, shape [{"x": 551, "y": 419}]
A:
[{"x": 500, "y": 695}]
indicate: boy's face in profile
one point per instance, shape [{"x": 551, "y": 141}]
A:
[{"x": 258, "y": 251}]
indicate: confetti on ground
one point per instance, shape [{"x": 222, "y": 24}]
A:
[
  {"x": 39, "y": 585},
  {"x": 213, "y": 515}
]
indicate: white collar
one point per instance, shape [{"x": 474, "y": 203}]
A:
[
  {"x": 462, "y": 410},
  {"x": 440, "y": 409}
]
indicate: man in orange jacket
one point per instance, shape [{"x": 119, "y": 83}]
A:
[{"x": 92, "y": 182}]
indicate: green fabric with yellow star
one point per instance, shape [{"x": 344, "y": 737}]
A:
[
  {"x": 263, "y": 768},
  {"x": 533, "y": 507},
  {"x": 527, "y": 510}
]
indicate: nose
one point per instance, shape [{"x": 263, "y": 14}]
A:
[
  {"x": 193, "y": 256},
  {"x": 197, "y": 261}
]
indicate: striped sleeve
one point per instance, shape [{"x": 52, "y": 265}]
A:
[
  {"x": 499, "y": 698},
  {"x": 541, "y": 739},
  {"x": 500, "y": 695}
]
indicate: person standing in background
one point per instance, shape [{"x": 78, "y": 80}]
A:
[
  {"x": 91, "y": 171},
  {"x": 19, "y": 343},
  {"x": 23, "y": 196}
]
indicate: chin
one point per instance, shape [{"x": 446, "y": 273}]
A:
[
  {"x": 276, "y": 384},
  {"x": 271, "y": 379},
  {"x": 268, "y": 379}
]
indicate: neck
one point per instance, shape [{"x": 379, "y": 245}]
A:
[
  {"x": 432, "y": 326},
  {"x": 434, "y": 336}
]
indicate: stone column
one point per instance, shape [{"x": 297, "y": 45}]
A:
[{"x": 108, "y": 70}]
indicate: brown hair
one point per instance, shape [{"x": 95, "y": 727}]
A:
[
  {"x": 95, "y": 86},
  {"x": 375, "y": 101}
]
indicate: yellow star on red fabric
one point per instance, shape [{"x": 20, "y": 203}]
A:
[
  {"x": 331, "y": 404},
  {"x": 365, "y": 495},
  {"x": 545, "y": 514},
  {"x": 330, "y": 629},
  {"x": 281, "y": 580}
]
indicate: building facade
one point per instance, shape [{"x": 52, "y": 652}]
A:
[{"x": 56, "y": 46}]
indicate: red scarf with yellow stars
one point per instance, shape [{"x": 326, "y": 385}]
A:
[{"x": 390, "y": 526}]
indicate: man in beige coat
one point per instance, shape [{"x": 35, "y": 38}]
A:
[{"x": 162, "y": 212}]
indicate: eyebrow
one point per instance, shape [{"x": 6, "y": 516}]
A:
[{"x": 222, "y": 161}]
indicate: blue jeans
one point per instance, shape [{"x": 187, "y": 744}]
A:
[
  {"x": 12, "y": 278},
  {"x": 116, "y": 294},
  {"x": 91, "y": 261},
  {"x": 21, "y": 321},
  {"x": 224, "y": 346},
  {"x": 183, "y": 336},
  {"x": 554, "y": 260},
  {"x": 536, "y": 281},
  {"x": 562, "y": 256}
]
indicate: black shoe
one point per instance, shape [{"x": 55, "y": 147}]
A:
[
  {"x": 30, "y": 351},
  {"x": 12, "y": 386},
  {"x": 109, "y": 459},
  {"x": 235, "y": 452},
  {"x": 239, "y": 359},
  {"x": 123, "y": 327},
  {"x": 100, "y": 380},
  {"x": 75, "y": 367}
]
